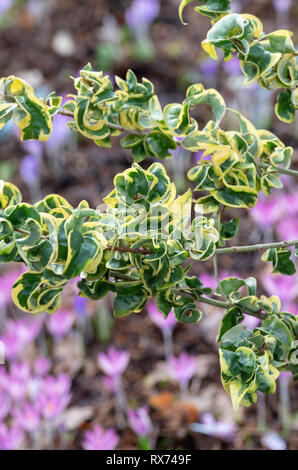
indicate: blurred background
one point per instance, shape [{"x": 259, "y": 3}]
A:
[{"x": 79, "y": 378}]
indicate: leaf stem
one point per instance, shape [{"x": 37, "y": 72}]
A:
[{"x": 191, "y": 296}]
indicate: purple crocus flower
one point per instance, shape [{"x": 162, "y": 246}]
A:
[
  {"x": 36, "y": 9},
  {"x": 159, "y": 320},
  {"x": 266, "y": 212},
  {"x": 114, "y": 362},
  {"x": 60, "y": 323},
  {"x": 285, "y": 376},
  {"x": 42, "y": 366},
  {"x": 287, "y": 228},
  {"x": 285, "y": 286},
  {"x": 60, "y": 135},
  {"x": 3, "y": 379},
  {"x": 182, "y": 368},
  {"x": 251, "y": 322},
  {"x": 139, "y": 421},
  {"x": 198, "y": 156},
  {"x": 292, "y": 307},
  {"x": 99, "y": 439},
  {"x": 30, "y": 170},
  {"x": 18, "y": 335},
  {"x": 211, "y": 427},
  {"x": 10, "y": 438},
  {"x": 282, "y": 6},
  {"x": 288, "y": 203},
  {"x": 232, "y": 67},
  {"x": 236, "y": 6},
  {"x": 26, "y": 417},
  {"x": 59, "y": 385},
  {"x": 80, "y": 305},
  {"x": 209, "y": 280},
  {"x": 111, "y": 383},
  {"x": 273, "y": 441},
  {"x": 5, "y": 6},
  {"x": 5, "y": 405},
  {"x": 141, "y": 13},
  {"x": 6, "y": 282},
  {"x": 54, "y": 396},
  {"x": 20, "y": 370},
  {"x": 50, "y": 406},
  {"x": 33, "y": 147},
  {"x": 27, "y": 330},
  {"x": 16, "y": 388},
  {"x": 209, "y": 68}
]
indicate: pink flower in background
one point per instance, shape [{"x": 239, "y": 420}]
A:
[
  {"x": 209, "y": 280},
  {"x": 50, "y": 406},
  {"x": 5, "y": 5},
  {"x": 114, "y": 362},
  {"x": 36, "y": 9},
  {"x": 285, "y": 376},
  {"x": 42, "y": 366},
  {"x": 236, "y": 6},
  {"x": 10, "y": 438},
  {"x": 111, "y": 383},
  {"x": 26, "y": 417},
  {"x": 158, "y": 318},
  {"x": 251, "y": 322},
  {"x": 209, "y": 68},
  {"x": 211, "y": 427},
  {"x": 198, "y": 156},
  {"x": 61, "y": 134},
  {"x": 27, "y": 329},
  {"x": 53, "y": 396},
  {"x": 20, "y": 370},
  {"x": 282, "y": 6},
  {"x": 139, "y": 421},
  {"x": 141, "y": 13},
  {"x": 60, "y": 323},
  {"x": 232, "y": 67},
  {"x": 57, "y": 385},
  {"x": 19, "y": 334},
  {"x": 291, "y": 307},
  {"x": 99, "y": 439},
  {"x": 30, "y": 170},
  {"x": 33, "y": 147},
  {"x": 288, "y": 203},
  {"x": 287, "y": 228},
  {"x": 183, "y": 367},
  {"x": 286, "y": 287},
  {"x": 80, "y": 305},
  {"x": 5, "y": 405},
  {"x": 6, "y": 282},
  {"x": 267, "y": 211},
  {"x": 16, "y": 388},
  {"x": 273, "y": 441}
]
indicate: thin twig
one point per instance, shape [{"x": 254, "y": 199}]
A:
[
  {"x": 283, "y": 171},
  {"x": 121, "y": 249},
  {"x": 215, "y": 268},
  {"x": 260, "y": 246},
  {"x": 127, "y": 249}
]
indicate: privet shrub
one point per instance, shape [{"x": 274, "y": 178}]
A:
[{"x": 141, "y": 243}]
